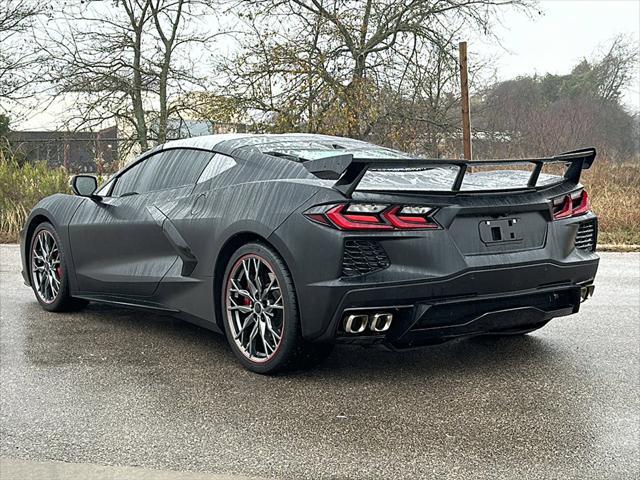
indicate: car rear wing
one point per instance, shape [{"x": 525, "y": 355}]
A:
[{"x": 348, "y": 170}]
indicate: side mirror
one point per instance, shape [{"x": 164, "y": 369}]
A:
[{"x": 84, "y": 185}]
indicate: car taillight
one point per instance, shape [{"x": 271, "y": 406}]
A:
[
  {"x": 571, "y": 205},
  {"x": 361, "y": 216}
]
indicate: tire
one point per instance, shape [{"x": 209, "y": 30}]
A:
[
  {"x": 50, "y": 272},
  {"x": 266, "y": 311}
]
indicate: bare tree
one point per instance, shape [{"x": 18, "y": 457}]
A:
[
  {"x": 130, "y": 62},
  {"x": 311, "y": 60},
  {"x": 18, "y": 58}
]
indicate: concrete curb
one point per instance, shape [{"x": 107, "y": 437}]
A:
[
  {"x": 20, "y": 469},
  {"x": 611, "y": 247}
]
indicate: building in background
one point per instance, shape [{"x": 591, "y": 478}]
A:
[{"x": 89, "y": 152}]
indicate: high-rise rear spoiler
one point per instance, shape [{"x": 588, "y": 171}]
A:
[{"x": 349, "y": 170}]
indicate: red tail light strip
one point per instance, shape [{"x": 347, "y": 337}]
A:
[
  {"x": 566, "y": 210},
  {"x": 407, "y": 221},
  {"x": 569, "y": 208},
  {"x": 390, "y": 218},
  {"x": 584, "y": 206},
  {"x": 355, "y": 222}
]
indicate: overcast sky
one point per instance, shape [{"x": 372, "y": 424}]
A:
[{"x": 563, "y": 33}]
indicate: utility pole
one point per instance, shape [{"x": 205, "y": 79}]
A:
[{"x": 464, "y": 101}]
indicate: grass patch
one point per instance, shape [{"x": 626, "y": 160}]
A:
[{"x": 614, "y": 190}]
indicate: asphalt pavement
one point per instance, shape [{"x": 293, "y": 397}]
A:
[{"x": 114, "y": 387}]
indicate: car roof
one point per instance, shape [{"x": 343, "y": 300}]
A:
[{"x": 239, "y": 140}]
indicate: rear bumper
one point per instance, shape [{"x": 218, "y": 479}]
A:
[
  {"x": 437, "y": 321},
  {"x": 451, "y": 264},
  {"x": 472, "y": 302}
]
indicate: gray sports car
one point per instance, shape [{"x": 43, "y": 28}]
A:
[{"x": 291, "y": 243}]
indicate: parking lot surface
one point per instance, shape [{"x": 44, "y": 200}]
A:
[{"x": 109, "y": 386}]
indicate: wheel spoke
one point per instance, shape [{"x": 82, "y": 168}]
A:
[
  {"x": 246, "y": 323},
  {"x": 256, "y": 276},
  {"x": 272, "y": 286},
  {"x": 42, "y": 248},
  {"x": 277, "y": 305},
  {"x": 241, "y": 308},
  {"x": 247, "y": 268},
  {"x": 240, "y": 291},
  {"x": 271, "y": 330},
  {"x": 252, "y": 338}
]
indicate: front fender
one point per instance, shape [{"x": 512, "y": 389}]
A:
[{"x": 57, "y": 209}]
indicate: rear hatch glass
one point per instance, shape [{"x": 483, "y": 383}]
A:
[{"x": 442, "y": 178}]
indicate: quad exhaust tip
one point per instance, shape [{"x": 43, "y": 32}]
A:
[{"x": 358, "y": 323}]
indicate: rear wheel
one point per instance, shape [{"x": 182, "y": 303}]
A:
[
  {"x": 261, "y": 313},
  {"x": 49, "y": 272}
]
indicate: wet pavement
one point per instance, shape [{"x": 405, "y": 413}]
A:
[{"x": 108, "y": 386}]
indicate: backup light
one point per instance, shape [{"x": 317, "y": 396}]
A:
[
  {"x": 366, "y": 208},
  {"x": 416, "y": 210}
]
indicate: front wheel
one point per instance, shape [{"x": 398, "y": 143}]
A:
[
  {"x": 49, "y": 272},
  {"x": 260, "y": 312}
]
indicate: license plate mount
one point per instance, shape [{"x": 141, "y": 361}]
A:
[{"x": 500, "y": 230}]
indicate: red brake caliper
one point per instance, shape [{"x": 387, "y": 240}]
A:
[{"x": 247, "y": 301}]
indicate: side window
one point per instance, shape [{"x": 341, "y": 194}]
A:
[
  {"x": 218, "y": 164},
  {"x": 164, "y": 170},
  {"x": 175, "y": 168},
  {"x": 129, "y": 181},
  {"x": 104, "y": 189}
]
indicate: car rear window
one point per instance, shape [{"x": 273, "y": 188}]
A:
[
  {"x": 442, "y": 178},
  {"x": 314, "y": 149}
]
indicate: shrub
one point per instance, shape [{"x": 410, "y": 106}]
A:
[{"x": 21, "y": 187}]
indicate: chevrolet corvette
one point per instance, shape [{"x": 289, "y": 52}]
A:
[{"x": 288, "y": 244}]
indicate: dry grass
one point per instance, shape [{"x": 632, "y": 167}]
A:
[{"x": 614, "y": 188}]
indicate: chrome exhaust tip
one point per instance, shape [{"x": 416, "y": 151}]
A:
[
  {"x": 356, "y": 323},
  {"x": 586, "y": 292},
  {"x": 381, "y": 322}
]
